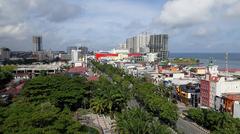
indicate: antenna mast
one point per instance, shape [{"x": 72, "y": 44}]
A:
[{"x": 226, "y": 63}]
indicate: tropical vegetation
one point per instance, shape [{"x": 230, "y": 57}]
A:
[
  {"x": 6, "y": 75},
  {"x": 138, "y": 121},
  {"x": 46, "y": 105},
  {"x": 185, "y": 61},
  {"x": 216, "y": 122},
  {"x": 153, "y": 98}
]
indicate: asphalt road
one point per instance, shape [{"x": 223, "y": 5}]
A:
[{"x": 188, "y": 127}]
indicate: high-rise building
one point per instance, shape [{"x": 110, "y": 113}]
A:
[
  {"x": 84, "y": 50},
  {"x": 123, "y": 46},
  {"x": 70, "y": 48},
  {"x": 159, "y": 44},
  {"x": 4, "y": 53},
  {"x": 129, "y": 45},
  {"x": 145, "y": 43},
  {"x": 37, "y": 43}
]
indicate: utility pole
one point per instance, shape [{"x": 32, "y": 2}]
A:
[{"x": 226, "y": 64}]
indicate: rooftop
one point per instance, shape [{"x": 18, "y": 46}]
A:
[
  {"x": 77, "y": 70},
  {"x": 92, "y": 78},
  {"x": 233, "y": 96},
  {"x": 185, "y": 81},
  {"x": 190, "y": 89}
]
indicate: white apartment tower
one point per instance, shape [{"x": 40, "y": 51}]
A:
[{"x": 148, "y": 43}]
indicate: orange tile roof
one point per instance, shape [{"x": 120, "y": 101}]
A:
[
  {"x": 234, "y": 97},
  {"x": 77, "y": 70}
]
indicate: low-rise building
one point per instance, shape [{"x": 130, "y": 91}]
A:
[
  {"x": 76, "y": 71},
  {"x": 189, "y": 94},
  {"x": 28, "y": 71},
  {"x": 78, "y": 58},
  {"x": 232, "y": 104},
  {"x": 214, "y": 86}
]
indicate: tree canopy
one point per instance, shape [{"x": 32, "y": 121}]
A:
[
  {"x": 218, "y": 123},
  {"x": 153, "y": 98},
  {"x": 138, "y": 121},
  {"x": 45, "y": 105},
  {"x": 6, "y": 75}
]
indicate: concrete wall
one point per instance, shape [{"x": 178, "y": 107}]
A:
[{"x": 236, "y": 111}]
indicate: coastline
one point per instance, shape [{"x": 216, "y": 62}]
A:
[{"x": 218, "y": 58}]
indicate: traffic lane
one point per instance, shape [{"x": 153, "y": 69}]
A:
[{"x": 188, "y": 128}]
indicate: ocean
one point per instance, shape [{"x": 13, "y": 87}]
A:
[{"x": 218, "y": 58}]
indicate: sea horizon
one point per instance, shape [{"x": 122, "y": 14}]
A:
[{"x": 217, "y": 57}]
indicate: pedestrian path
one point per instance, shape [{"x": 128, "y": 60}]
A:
[{"x": 104, "y": 122}]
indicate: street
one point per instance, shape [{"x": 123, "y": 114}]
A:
[{"x": 186, "y": 126}]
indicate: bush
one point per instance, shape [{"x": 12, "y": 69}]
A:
[{"x": 216, "y": 122}]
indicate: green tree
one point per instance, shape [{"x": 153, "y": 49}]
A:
[
  {"x": 5, "y": 78},
  {"x": 137, "y": 121},
  {"x": 196, "y": 115},
  {"x": 218, "y": 123},
  {"x": 98, "y": 105}
]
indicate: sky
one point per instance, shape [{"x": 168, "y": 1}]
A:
[{"x": 192, "y": 25}]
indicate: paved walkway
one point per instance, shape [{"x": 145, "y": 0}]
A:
[{"x": 104, "y": 122}]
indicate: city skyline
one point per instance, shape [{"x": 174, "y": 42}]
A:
[{"x": 192, "y": 25}]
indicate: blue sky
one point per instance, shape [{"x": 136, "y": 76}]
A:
[{"x": 192, "y": 25}]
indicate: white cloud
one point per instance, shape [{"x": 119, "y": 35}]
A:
[
  {"x": 183, "y": 12},
  {"x": 17, "y": 31},
  {"x": 234, "y": 10},
  {"x": 21, "y": 19},
  {"x": 106, "y": 23},
  {"x": 201, "y": 32},
  {"x": 189, "y": 12}
]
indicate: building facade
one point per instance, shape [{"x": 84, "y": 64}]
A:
[
  {"x": 84, "y": 50},
  {"x": 37, "y": 43},
  {"x": 159, "y": 44},
  {"x": 214, "y": 87},
  {"x": 70, "y": 48},
  {"x": 78, "y": 58},
  {"x": 145, "y": 43},
  {"x": 4, "y": 53}
]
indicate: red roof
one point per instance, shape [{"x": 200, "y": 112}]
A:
[
  {"x": 77, "y": 70},
  {"x": 92, "y": 78},
  {"x": 230, "y": 69},
  {"x": 16, "y": 90},
  {"x": 99, "y": 55},
  {"x": 234, "y": 97}
]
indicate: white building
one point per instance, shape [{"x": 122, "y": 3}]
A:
[
  {"x": 236, "y": 111},
  {"x": 138, "y": 44},
  {"x": 123, "y": 46},
  {"x": 120, "y": 51},
  {"x": 151, "y": 57},
  {"x": 220, "y": 87},
  {"x": 78, "y": 59}
]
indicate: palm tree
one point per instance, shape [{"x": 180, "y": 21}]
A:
[
  {"x": 98, "y": 105},
  {"x": 157, "y": 128},
  {"x": 134, "y": 121}
]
